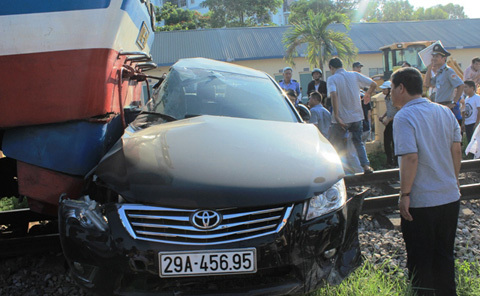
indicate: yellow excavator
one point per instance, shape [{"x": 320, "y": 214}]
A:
[{"x": 394, "y": 55}]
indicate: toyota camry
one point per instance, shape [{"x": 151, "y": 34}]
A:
[{"x": 217, "y": 187}]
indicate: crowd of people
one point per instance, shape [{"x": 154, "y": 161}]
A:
[
  {"x": 423, "y": 136},
  {"x": 343, "y": 113},
  {"x": 345, "y": 117},
  {"x": 447, "y": 88}
]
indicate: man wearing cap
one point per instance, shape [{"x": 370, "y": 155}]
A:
[
  {"x": 289, "y": 83},
  {"x": 445, "y": 81},
  {"x": 387, "y": 120},
  {"x": 317, "y": 84},
  {"x": 347, "y": 115},
  {"x": 357, "y": 67}
]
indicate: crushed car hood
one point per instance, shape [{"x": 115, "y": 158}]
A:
[{"x": 220, "y": 162}]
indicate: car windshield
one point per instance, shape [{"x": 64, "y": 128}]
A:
[{"x": 188, "y": 92}]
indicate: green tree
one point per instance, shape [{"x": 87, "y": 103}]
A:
[
  {"x": 402, "y": 10},
  {"x": 440, "y": 12},
  {"x": 322, "y": 42},
  {"x": 235, "y": 13},
  {"x": 178, "y": 19},
  {"x": 371, "y": 12},
  {"x": 419, "y": 14},
  {"x": 432, "y": 13},
  {"x": 386, "y": 10},
  {"x": 299, "y": 9},
  {"x": 454, "y": 11},
  {"x": 203, "y": 20},
  {"x": 397, "y": 10}
]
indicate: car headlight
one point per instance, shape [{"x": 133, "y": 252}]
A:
[
  {"x": 330, "y": 200},
  {"x": 84, "y": 210}
]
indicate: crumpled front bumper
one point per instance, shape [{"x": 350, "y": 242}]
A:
[{"x": 106, "y": 260}]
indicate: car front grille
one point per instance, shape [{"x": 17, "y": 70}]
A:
[{"x": 169, "y": 225}]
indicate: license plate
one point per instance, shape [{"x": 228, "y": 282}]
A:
[{"x": 198, "y": 263}]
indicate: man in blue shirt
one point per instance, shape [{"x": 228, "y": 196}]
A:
[
  {"x": 427, "y": 141},
  {"x": 289, "y": 83},
  {"x": 319, "y": 115},
  {"x": 445, "y": 81}
]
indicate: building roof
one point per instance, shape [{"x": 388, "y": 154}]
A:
[{"x": 255, "y": 43}]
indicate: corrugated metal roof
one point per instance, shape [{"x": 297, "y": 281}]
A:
[{"x": 229, "y": 44}]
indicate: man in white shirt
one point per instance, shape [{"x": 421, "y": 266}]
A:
[{"x": 344, "y": 88}]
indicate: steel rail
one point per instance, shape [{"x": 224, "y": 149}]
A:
[
  {"x": 377, "y": 203},
  {"x": 393, "y": 174},
  {"x": 18, "y": 246},
  {"x": 22, "y": 215}
]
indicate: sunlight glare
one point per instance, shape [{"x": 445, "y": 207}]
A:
[{"x": 362, "y": 7}]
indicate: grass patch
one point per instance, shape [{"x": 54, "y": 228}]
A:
[
  {"x": 385, "y": 280},
  {"x": 369, "y": 280},
  {"x": 12, "y": 203},
  {"x": 468, "y": 283},
  {"x": 378, "y": 160}
]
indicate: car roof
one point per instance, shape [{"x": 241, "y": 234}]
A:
[{"x": 209, "y": 64}]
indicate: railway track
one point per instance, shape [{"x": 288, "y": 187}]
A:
[
  {"x": 19, "y": 238},
  {"x": 388, "y": 181}
]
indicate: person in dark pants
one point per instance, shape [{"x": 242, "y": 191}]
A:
[
  {"x": 387, "y": 120},
  {"x": 347, "y": 115},
  {"x": 367, "y": 121},
  {"x": 428, "y": 143},
  {"x": 472, "y": 109}
]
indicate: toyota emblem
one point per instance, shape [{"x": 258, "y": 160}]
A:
[{"x": 205, "y": 219}]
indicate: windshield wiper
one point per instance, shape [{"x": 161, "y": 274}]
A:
[
  {"x": 191, "y": 115},
  {"x": 148, "y": 118}
]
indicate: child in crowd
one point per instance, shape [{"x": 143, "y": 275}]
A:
[{"x": 471, "y": 114}]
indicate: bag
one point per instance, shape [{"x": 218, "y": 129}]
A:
[{"x": 456, "y": 110}]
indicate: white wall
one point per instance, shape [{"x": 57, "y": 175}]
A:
[{"x": 274, "y": 66}]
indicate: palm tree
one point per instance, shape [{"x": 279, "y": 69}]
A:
[{"x": 321, "y": 41}]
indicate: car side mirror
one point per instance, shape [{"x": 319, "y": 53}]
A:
[{"x": 304, "y": 112}]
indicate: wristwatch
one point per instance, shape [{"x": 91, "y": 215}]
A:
[{"x": 402, "y": 194}]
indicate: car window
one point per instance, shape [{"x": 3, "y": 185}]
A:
[{"x": 190, "y": 92}]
